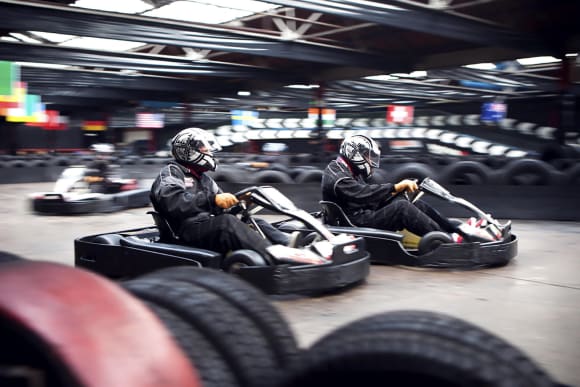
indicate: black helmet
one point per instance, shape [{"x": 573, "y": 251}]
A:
[
  {"x": 195, "y": 147},
  {"x": 362, "y": 153}
]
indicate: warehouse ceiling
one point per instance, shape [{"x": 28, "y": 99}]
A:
[{"x": 286, "y": 55}]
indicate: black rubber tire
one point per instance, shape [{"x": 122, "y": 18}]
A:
[
  {"x": 230, "y": 175},
  {"x": 242, "y": 258},
  {"x": 213, "y": 371},
  {"x": 250, "y": 301},
  {"x": 573, "y": 175},
  {"x": 309, "y": 176},
  {"x": 233, "y": 334},
  {"x": 412, "y": 171},
  {"x": 465, "y": 173},
  {"x": 415, "y": 348},
  {"x": 432, "y": 240},
  {"x": 262, "y": 177},
  {"x": 528, "y": 172}
]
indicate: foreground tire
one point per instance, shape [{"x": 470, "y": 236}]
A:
[
  {"x": 233, "y": 335},
  {"x": 248, "y": 300},
  {"x": 432, "y": 240},
  {"x": 415, "y": 348}
]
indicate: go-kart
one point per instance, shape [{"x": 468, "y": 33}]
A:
[
  {"x": 484, "y": 241},
  {"x": 333, "y": 261},
  {"x": 80, "y": 190}
]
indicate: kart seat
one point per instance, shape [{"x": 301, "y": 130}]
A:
[
  {"x": 166, "y": 233},
  {"x": 334, "y": 215}
]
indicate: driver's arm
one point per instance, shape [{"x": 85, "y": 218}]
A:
[{"x": 406, "y": 185}]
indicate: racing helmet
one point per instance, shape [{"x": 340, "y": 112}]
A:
[
  {"x": 195, "y": 147},
  {"x": 362, "y": 152}
]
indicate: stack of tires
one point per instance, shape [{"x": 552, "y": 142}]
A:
[{"x": 200, "y": 327}]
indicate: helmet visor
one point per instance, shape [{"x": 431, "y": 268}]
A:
[
  {"x": 209, "y": 142},
  {"x": 372, "y": 154}
]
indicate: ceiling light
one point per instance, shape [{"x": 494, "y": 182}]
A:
[
  {"x": 23, "y": 38},
  {"x": 124, "y": 6},
  {"x": 572, "y": 55},
  {"x": 382, "y": 77},
  {"x": 52, "y": 37},
  {"x": 101, "y": 44},
  {"x": 244, "y": 93},
  {"x": 481, "y": 66},
  {"x": 302, "y": 86},
  {"x": 537, "y": 60},
  {"x": 43, "y": 65}
]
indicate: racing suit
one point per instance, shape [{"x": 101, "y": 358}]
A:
[
  {"x": 187, "y": 201},
  {"x": 373, "y": 205}
]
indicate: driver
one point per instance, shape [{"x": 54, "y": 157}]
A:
[
  {"x": 194, "y": 205},
  {"x": 344, "y": 182}
]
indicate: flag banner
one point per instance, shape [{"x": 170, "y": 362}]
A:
[
  {"x": 95, "y": 126},
  {"x": 9, "y": 74},
  {"x": 150, "y": 120},
  {"x": 31, "y": 111},
  {"x": 328, "y": 116},
  {"x": 14, "y": 100},
  {"x": 243, "y": 117},
  {"x": 397, "y": 114}
]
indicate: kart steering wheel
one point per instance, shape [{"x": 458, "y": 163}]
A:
[{"x": 410, "y": 196}]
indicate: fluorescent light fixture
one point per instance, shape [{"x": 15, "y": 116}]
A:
[
  {"x": 198, "y": 12},
  {"x": 537, "y": 60},
  {"x": 245, "y": 93},
  {"x": 302, "y": 86},
  {"x": 382, "y": 77},
  {"x": 414, "y": 74},
  {"x": 572, "y": 55},
  {"x": 54, "y": 38},
  {"x": 9, "y": 39},
  {"x": 43, "y": 65},
  {"x": 101, "y": 44},
  {"x": 481, "y": 66},
  {"x": 122, "y": 6}
]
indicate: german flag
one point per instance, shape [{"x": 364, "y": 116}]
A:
[{"x": 95, "y": 126}]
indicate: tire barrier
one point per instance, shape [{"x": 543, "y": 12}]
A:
[
  {"x": 268, "y": 176},
  {"x": 465, "y": 173},
  {"x": 61, "y": 326},
  {"x": 415, "y": 348},
  {"x": 412, "y": 171},
  {"x": 230, "y": 174},
  {"x": 231, "y": 333},
  {"x": 528, "y": 172},
  {"x": 573, "y": 175},
  {"x": 309, "y": 176}
]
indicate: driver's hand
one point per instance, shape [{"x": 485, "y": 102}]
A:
[
  {"x": 225, "y": 200},
  {"x": 406, "y": 185}
]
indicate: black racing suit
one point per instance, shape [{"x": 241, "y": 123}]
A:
[
  {"x": 187, "y": 202},
  {"x": 368, "y": 205}
]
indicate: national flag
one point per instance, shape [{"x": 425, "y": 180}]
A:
[
  {"x": 95, "y": 126},
  {"x": 397, "y": 114}
]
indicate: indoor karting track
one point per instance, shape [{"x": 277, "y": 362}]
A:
[{"x": 533, "y": 302}]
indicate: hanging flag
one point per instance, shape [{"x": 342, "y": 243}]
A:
[
  {"x": 9, "y": 74},
  {"x": 31, "y": 111},
  {"x": 328, "y": 116},
  {"x": 397, "y": 114},
  {"x": 96, "y": 126},
  {"x": 15, "y": 100}
]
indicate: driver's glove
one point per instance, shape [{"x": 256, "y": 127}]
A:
[
  {"x": 406, "y": 185},
  {"x": 225, "y": 200}
]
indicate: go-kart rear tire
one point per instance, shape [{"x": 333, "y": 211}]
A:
[
  {"x": 432, "y": 240},
  {"x": 242, "y": 258},
  {"x": 250, "y": 301},
  {"x": 415, "y": 348}
]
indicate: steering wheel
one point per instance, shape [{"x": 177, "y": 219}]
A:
[{"x": 410, "y": 196}]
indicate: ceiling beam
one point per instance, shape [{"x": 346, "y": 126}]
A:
[
  {"x": 23, "y": 16},
  {"x": 427, "y": 21}
]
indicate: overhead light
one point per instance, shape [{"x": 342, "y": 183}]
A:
[
  {"x": 43, "y": 65},
  {"x": 382, "y": 77},
  {"x": 302, "y": 86},
  {"x": 125, "y": 6},
  {"x": 23, "y": 38},
  {"x": 572, "y": 55},
  {"x": 481, "y": 66},
  {"x": 244, "y": 93},
  {"x": 537, "y": 60},
  {"x": 414, "y": 74},
  {"x": 52, "y": 37},
  {"x": 101, "y": 44}
]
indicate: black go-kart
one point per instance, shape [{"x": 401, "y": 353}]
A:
[
  {"x": 481, "y": 241},
  {"x": 80, "y": 190},
  {"x": 333, "y": 261}
]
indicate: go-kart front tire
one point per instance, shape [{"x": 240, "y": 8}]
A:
[
  {"x": 432, "y": 240},
  {"x": 242, "y": 258}
]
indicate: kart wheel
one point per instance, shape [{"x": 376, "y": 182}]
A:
[
  {"x": 415, "y": 348},
  {"x": 242, "y": 258},
  {"x": 432, "y": 240},
  {"x": 250, "y": 301}
]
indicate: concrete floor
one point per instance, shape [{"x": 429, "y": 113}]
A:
[{"x": 534, "y": 302}]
